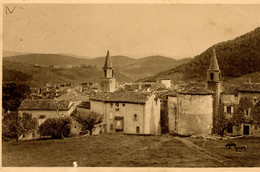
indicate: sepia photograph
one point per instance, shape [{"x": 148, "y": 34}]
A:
[{"x": 163, "y": 85}]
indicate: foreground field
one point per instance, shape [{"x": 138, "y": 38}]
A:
[
  {"x": 248, "y": 158},
  {"x": 111, "y": 150}
]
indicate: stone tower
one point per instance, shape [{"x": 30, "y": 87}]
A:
[
  {"x": 214, "y": 84},
  {"x": 108, "y": 82}
]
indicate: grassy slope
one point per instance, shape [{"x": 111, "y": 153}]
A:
[
  {"x": 250, "y": 158},
  {"x": 106, "y": 150}
]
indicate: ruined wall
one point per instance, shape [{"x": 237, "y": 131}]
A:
[
  {"x": 195, "y": 114},
  {"x": 172, "y": 114}
]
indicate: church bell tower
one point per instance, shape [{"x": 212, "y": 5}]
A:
[
  {"x": 214, "y": 84},
  {"x": 108, "y": 82}
]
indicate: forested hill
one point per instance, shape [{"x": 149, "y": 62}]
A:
[{"x": 235, "y": 57}]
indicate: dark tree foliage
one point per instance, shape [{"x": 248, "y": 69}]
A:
[
  {"x": 239, "y": 117},
  {"x": 13, "y": 94},
  {"x": 13, "y": 125},
  {"x": 235, "y": 57},
  {"x": 255, "y": 113},
  {"x": 88, "y": 120},
  {"x": 220, "y": 121},
  {"x": 57, "y": 128}
]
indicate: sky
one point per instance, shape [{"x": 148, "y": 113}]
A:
[{"x": 132, "y": 30}]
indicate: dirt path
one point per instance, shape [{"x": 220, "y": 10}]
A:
[{"x": 226, "y": 162}]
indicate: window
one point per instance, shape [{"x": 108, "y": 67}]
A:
[
  {"x": 255, "y": 100},
  {"x": 75, "y": 126},
  {"x": 211, "y": 76},
  {"x": 137, "y": 129},
  {"x": 247, "y": 112},
  {"x": 111, "y": 105},
  {"x": 256, "y": 127},
  {"x": 229, "y": 128},
  {"x": 229, "y": 109},
  {"x": 123, "y": 104},
  {"x": 135, "y": 117},
  {"x": 117, "y": 104},
  {"x": 41, "y": 119},
  {"x": 117, "y": 109},
  {"x": 111, "y": 127},
  {"x": 33, "y": 135}
]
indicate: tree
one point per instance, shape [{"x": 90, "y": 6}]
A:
[
  {"x": 220, "y": 121},
  {"x": 244, "y": 103},
  {"x": 13, "y": 95},
  {"x": 255, "y": 113},
  {"x": 88, "y": 120},
  {"x": 14, "y": 125},
  {"x": 56, "y": 127}
]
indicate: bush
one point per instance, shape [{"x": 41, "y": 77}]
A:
[
  {"x": 88, "y": 120},
  {"x": 13, "y": 125},
  {"x": 56, "y": 127}
]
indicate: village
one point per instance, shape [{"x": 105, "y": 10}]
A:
[
  {"x": 152, "y": 108},
  {"x": 120, "y": 85}
]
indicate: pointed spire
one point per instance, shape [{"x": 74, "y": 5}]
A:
[
  {"x": 108, "y": 63},
  {"x": 214, "y": 62}
]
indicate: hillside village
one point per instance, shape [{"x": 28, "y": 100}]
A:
[{"x": 152, "y": 107}]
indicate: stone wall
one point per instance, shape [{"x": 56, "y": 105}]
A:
[{"x": 195, "y": 114}]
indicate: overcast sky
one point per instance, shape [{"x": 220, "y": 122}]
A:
[{"x": 131, "y": 30}]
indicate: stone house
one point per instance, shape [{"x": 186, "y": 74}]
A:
[
  {"x": 230, "y": 99},
  {"x": 128, "y": 112},
  {"x": 42, "y": 109}
]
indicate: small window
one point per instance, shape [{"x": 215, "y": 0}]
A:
[
  {"x": 123, "y": 104},
  {"x": 229, "y": 128},
  {"x": 33, "y": 135},
  {"x": 137, "y": 129},
  {"x": 23, "y": 135},
  {"x": 75, "y": 126},
  {"x": 117, "y": 109},
  {"x": 111, "y": 105},
  {"x": 256, "y": 127},
  {"x": 246, "y": 112},
  {"x": 117, "y": 104},
  {"x": 255, "y": 100},
  {"x": 135, "y": 117},
  {"x": 228, "y": 110},
  {"x": 111, "y": 127},
  {"x": 211, "y": 76}
]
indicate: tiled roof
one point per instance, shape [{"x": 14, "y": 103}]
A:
[
  {"x": 121, "y": 96},
  {"x": 162, "y": 95},
  {"x": 230, "y": 89},
  {"x": 44, "y": 104},
  {"x": 250, "y": 87},
  {"x": 85, "y": 104},
  {"x": 196, "y": 91}
]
